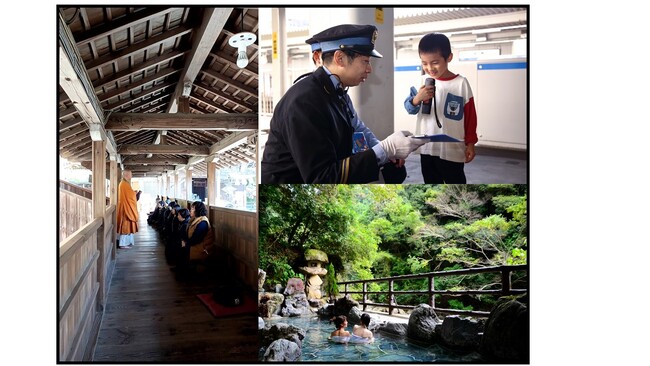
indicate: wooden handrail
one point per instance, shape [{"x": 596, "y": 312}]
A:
[
  {"x": 506, "y": 289},
  {"x": 79, "y": 191}
]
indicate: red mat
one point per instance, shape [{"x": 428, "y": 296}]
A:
[{"x": 249, "y": 306}]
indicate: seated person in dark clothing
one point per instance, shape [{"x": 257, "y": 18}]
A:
[
  {"x": 197, "y": 245},
  {"x": 173, "y": 247}
]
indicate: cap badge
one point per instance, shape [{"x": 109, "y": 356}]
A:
[{"x": 374, "y": 36}]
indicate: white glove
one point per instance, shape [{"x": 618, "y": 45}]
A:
[{"x": 399, "y": 145}]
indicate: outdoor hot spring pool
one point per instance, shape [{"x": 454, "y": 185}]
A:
[{"x": 385, "y": 348}]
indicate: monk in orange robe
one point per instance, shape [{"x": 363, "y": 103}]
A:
[{"x": 127, "y": 211}]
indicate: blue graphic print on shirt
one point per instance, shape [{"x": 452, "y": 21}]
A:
[{"x": 454, "y": 107}]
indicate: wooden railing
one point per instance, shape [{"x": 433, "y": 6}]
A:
[
  {"x": 431, "y": 292},
  {"x": 86, "y": 262},
  {"x": 75, "y": 208}
]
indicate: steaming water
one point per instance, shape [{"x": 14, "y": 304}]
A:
[{"x": 385, "y": 348}]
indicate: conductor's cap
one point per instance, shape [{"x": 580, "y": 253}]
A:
[{"x": 353, "y": 37}]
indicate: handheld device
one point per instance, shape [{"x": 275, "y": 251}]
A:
[{"x": 426, "y": 105}]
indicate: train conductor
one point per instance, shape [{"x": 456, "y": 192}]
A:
[{"x": 311, "y": 134}]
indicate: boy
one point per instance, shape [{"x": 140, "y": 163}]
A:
[{"x": 454, "y": 114}]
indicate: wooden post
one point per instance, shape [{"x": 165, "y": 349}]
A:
[
  {"x": 99, "y": 210},
  {"x": 177, "y": 192},
  {"x": 212, "y": 170},
  {"x": 390, "y": 297},
  {"x": 167, "y": 188},
  {"x": 188, "y": 184},
  {"x": 432, "y": 296},
  {"x": 99, "y": 179},
  {"x": 115, "y": 179},
  {"x": 365, "y": 295},
  {"x": 505, "y": 281}
]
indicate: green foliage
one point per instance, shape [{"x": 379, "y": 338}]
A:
[
  {"x": 458, "y": 305},
  {"x": 372, "y": 231},
  {"x": 330, "y": 286}
]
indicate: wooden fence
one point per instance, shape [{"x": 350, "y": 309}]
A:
[
  {"x": 431, "y": 292},
  {"x": 236, "y": 233},
  {"x": 86, "y": 262},
  {"x": 75, "y": 208}
]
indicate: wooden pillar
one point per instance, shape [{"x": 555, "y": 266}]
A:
[
  {"x": 99, "y": 178},
  {"x": 432, "y": 295},
  {"x": 167, "y": 189},
  {"x": 365, "y": 295},
  {"x": 218, "y": 187},
  {"x": 99, "y": 210},
  {"x": 390, "y": 297},
  {"x": 177, "y": 191},
  {"x": 505, "y": 281},
  {"x": 115, "y": 180},
  {"x": 211, "y": 196},
  {"x": 188, "y": 183}
]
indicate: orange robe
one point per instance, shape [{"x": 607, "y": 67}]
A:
[{"x": 127, "y": 209}]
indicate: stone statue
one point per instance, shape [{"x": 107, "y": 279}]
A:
[{"x": 316, "y": 260}]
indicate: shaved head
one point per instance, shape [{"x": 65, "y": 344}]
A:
[{"x": 126, "y": 174}]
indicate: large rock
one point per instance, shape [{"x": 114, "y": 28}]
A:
[
  {"x": 295, "y": 305},
  {"x": 422, "y": 323},
  {"x": 461, "y": 333},
  {"x": 281, "y": 331},
  {"x": 354, "y": 315},
  {"x": 343, "y": 305},
  {"x": 326, "y": 311},
  {"x": 270, "y": 304},
  {"x": 282, "y": 350},
  {"x": 294, "y": 286},
  {"x": 506, "y": 336},
  {"x": 398, "y": 329}
]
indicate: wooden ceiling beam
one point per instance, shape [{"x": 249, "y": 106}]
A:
[
  {"x": 227, "y": 59},
  {"x": 214, "y": 19},
  {"x": 228, "y": 97},
  {"x": 121, "y": 24},
  {"x": 149, "y": 168},
  {"x": 74, "y": 80},
  {"x": 182, "y": 121},
  {"x": 211, "y": 103},
  {"x": 164, "y": 149},
  {"x": 139, "y": 96},
  {"x": 138, "y": 84},
  {"x": 131, "y": 71},
  {"x": 156, "y": 161},
  {"x": 138, "y": 47},
  {"x": 231, "y": 82}
]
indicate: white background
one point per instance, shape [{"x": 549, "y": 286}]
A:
[{"x": 588, "y": 182}]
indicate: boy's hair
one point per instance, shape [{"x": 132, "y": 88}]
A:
[{"x": 435, "y": 42}]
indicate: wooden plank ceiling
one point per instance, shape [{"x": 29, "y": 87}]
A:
[{"x": 140, "y": 64}]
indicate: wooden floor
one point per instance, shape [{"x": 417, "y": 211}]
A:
[{"x": 152, "y": 317}]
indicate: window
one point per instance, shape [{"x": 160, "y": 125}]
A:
[{"x": 237, "y": 187}]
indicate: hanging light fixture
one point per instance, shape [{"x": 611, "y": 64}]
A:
[{"x": 241, "y": 41}]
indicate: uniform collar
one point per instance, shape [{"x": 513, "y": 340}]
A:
[{"x": 335, "y": 81}]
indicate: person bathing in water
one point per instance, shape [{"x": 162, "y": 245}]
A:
[
  {"x": 361, "y": 330},
  {"x": 340, "y": 322}
]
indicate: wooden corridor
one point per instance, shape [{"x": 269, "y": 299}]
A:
[{"x": 150, "y": 316}]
